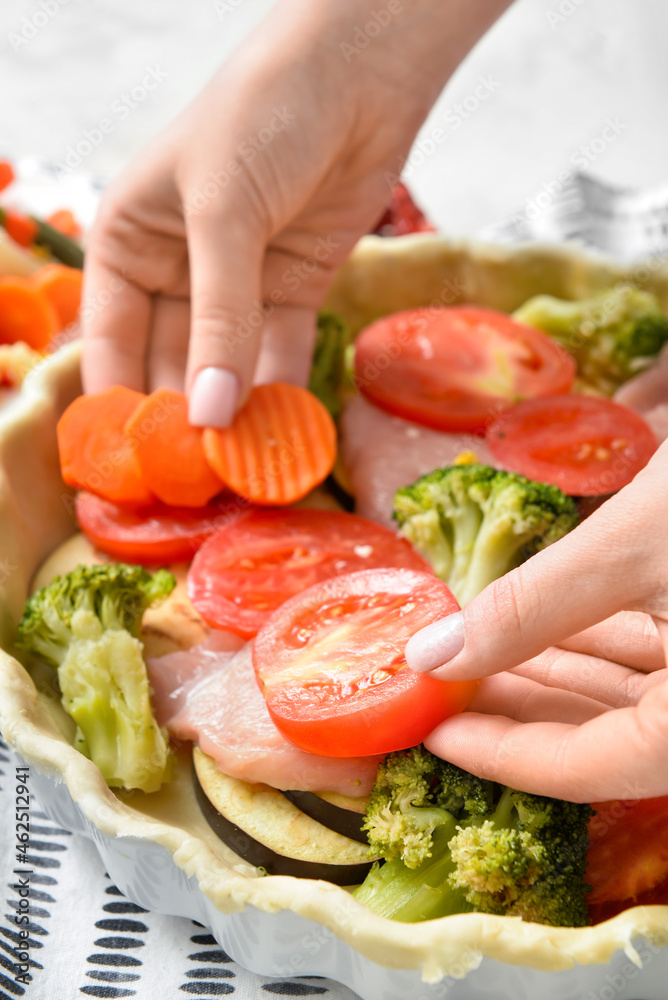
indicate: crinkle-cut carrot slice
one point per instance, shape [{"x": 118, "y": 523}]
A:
[
  {"x": 95, "y": 452},
  {"x": 279, "y": 446},
  {"x": 170, "y": 451}
]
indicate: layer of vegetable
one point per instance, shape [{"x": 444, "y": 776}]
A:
[
  {"x": 55, "y": 234},
  {"x": 332, "y": 668},
  {"x": 402, "y": 216},
  {"x": 628, "y": 856},
  {"x": 264, "y": 828},
  {"x": 612, "y": 336},
  {"x": 346, "y": 819},
  {"x": 130, "y": 448},
  {"x": 455, "y": 843},
  {"x": 256, "y": 562},
  {"x": 454, "y": 368},
  {"x": 585, "y": 445},
  {"x": 474, "y": 523},
  {"x": 26, "y": 314},
  {"x": 279, "y": 446},
  {"x": 328, "y": 368},
  {"x": 154, "y": 535},
  {"x": 86, "y": 625},
  {"x": 62, "y": 287},
  {"x": 170, "y": 452},
  {"x": 95, "y": 452}
]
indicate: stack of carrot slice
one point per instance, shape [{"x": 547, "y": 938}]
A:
[{"x": 131, "y": 449}]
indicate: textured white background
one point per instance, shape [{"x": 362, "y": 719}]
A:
[{"x": 557, "y": 85}]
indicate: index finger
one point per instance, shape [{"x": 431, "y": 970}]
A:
[
  {"x": 115, "y": 317},
  {"x": 618, "y": 755}
]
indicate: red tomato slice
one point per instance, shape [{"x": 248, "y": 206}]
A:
[
  {"x": 585, "y": 445},
  {"x": 402, "y": 216},
  {"x": 156, "y": 535},
  {"x": 332, "y": 667},
  {"x": 458, "y": 367},
  {"x": 628, "y": 855},
  {"x": 242, "y": 574}
]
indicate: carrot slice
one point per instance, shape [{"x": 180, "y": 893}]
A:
[
  {"x": 170, "y": 452},
  {"x": 62, "y": 287},
  {"x": 25, "y": 314},
  {"x": 279, "y": 446},
  {"x": 6, "y": 174},
  {"x": 65, "y": 222},
  {"x": 22, "y": 229},
  {"x": 95, "y": 452}
]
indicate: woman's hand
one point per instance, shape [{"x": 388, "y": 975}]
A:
[
  {"x": 214, "y": 249},
  {"x": 582, "y": 718}
]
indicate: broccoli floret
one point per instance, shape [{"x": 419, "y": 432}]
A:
[
  {"x": 86, "y": 625},
  {"x": 612, "y": 336},
  {"x": 474, "y": 523},
  {"x": 328, "y": 369},
  {"x": 479, "y": 846},
  {"x": 527, "y": 859},
  {"x": 415, "y": 793}
]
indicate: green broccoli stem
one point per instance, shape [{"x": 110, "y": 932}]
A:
[
  {"x": 413, "y": 894},
  {"x": 466, "y": 522}
]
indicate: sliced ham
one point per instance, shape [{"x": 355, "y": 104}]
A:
[
  {"x": 381, "y": 453},
  {"x": 647, "y": 394},
  {"x": 216, "y": 702},
  {"x": 173, "y": 676}
]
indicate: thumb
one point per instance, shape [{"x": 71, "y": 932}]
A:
[
  {"x": 226, "y": 249},
  {"x": 578, "y": 581}
]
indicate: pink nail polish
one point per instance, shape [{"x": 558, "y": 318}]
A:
[
  {"x": 435, "y": 644},
  {"x": 213, "y": 398}
]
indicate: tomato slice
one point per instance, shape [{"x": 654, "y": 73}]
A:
[
  {"x": 585, "y": 445},
  {"x": 332, "y": 667},
  {"x": 246, "y": 570},
  {"x": 156, "y": 535},
  {"x": 455, "y": 368},
  {"x": 627, "y": 862},
  {"x": 402, "y": 216}
]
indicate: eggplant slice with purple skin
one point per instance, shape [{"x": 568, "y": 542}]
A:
[
  {"x": 345, "y": 818},
  {"x": 269, "y": 831}
]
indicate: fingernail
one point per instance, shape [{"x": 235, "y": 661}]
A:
[
  {"x": 435, "y": 644},
  {"x": 213, "y": 398}
]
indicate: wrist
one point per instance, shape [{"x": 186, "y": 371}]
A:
[{"x": 412, "y": 45}]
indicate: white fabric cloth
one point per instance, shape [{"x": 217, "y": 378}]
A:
[{"x": 85, "y": 937}]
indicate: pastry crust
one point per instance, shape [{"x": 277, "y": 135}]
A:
[{"x": 36, "y": 516}]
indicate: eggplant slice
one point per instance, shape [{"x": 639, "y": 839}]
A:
[
  {"x": 266, "y": 829},
  {"x": 345, "y": 818}
]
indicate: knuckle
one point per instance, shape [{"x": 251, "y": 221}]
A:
[{"x": 515, "y": 604}]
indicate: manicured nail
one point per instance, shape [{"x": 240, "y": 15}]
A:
[
  {"x": 435, "y": 644},
  {"x": 213, "y": 399}
]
